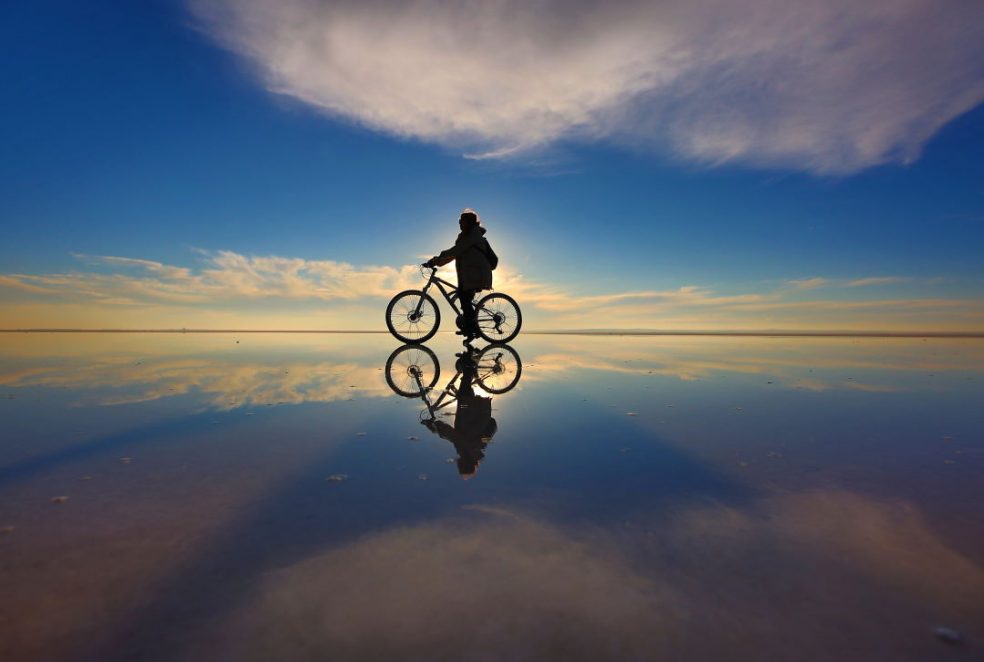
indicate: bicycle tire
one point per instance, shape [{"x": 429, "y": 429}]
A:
[
  {"x": 499, "y": 318},
  {"x": 493, "y": 378},
  {"x": 400, "y": 322},
  {"x": 399, "y": 370}
]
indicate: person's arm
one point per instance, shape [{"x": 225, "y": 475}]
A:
[
  {"x": 460, "y": 246},
  {"x": 439, "y": 260},
  {"x": 444, "y": 431}
]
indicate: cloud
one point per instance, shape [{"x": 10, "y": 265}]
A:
[
  {"x": 809, "y": 283},
  {"x": 817, "y": 282},
  {"x": 266, "y": 286},
  {"x": 226, "y": 276},
  {"x": 816, "y": 85},
  {"x": 868, "y": 282}
]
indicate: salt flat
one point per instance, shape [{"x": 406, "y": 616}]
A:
[{"x": 250, "y": 496}]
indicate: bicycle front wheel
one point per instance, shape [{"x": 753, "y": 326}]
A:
[
  {"x": 412, "y": 316},
  {"x": 499, "y": 318},
  {"x": 411, "y": 370}
]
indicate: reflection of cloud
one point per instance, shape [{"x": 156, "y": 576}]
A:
[
  {"x": 888, "y": 542},
  {"x": 814, "y": 364},
  {"x": 714, "y": 581},
  {"x": 817, "y": 385},
  {"x": 123, "y": 368},
  {"x": 218, "y": 384},
  {"x": 505, "y": 588},
  {"x": 815, "y": 85}
]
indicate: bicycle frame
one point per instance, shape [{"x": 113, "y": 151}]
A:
[
  {"x": 450, "y": 394},
  {"x": 495, "y": 317},
  {"x": 450, "y": 294}
]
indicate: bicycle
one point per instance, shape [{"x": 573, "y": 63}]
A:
[
  {"x": 412, "y": 371},
  {"x": 412, "y": 316}
]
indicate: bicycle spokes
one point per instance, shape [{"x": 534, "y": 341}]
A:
[
  {"x": 498, "y": 317},
  {"x": 498, "y": 368},
  {"x": 412, "y": 316},
  {"x": 412, "y": 370}
]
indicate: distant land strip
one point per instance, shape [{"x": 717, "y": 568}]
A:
[{"x": 565, "y": 332}]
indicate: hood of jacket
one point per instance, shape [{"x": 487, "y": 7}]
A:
[{"x": 478, "y": 229}]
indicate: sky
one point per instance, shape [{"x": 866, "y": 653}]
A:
[{"x": 677, "y": 165}]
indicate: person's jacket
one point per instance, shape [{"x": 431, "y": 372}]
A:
[
  {"x": 468, "y": 252},
  {"x": 473, "y": 428}
]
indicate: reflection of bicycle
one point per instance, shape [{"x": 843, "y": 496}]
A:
[
  {"x": 413, "y": 370},
  {"x": 413, "y": 315}
]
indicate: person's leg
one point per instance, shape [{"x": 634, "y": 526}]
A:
[{"x": 469, "y": 324}]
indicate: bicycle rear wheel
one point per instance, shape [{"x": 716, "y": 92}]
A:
[
  {"x": 412, "y": 316},
  {"x": 498, "y": 369},
  {"x": 499, "y": 318},
  {"x": 411, "y": 370}
]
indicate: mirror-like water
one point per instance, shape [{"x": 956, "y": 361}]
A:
[{"x": 302, "y": 496}]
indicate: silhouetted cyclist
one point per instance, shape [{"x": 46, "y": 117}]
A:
[{"x": 474, "y": 260}]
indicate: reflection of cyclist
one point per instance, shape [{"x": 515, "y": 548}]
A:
[
  {"x": 474, "y": 426},
  {"x": 471, "y": 253}
]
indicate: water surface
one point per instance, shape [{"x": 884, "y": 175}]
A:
[{"x": 249, "y": 496}]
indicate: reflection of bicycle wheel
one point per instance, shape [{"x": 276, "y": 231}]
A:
[
  {"x": 412, "y": 369},
  {"x": 413, "y": 316},
  {"x": 498, "y": 317},
  {"x": 499, "y": 368}
]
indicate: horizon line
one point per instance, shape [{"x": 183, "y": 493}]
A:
[{"x": 559, "y": 332}]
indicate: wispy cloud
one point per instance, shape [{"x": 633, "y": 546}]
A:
[
  {"x": 809, "y": 283},
  {"x": 232, "y": 282},
  {"x": 225, "y": 276},
  {"x": 884, "y": 280},
  {"x": 817, "y": 282},
  {"x": 817, "y": 85}
]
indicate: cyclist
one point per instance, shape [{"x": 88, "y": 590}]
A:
[{"x": 472, "y": 255}]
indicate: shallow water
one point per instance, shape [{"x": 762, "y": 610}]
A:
[{"x": 249, "y": 496}]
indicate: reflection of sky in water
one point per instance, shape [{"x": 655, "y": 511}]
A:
[{"x": 700, "y": 498}]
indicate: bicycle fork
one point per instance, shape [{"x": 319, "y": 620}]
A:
[{"x": 415, "y": 315}]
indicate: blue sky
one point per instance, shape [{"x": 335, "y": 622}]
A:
[{"x": 174, "y": 133}]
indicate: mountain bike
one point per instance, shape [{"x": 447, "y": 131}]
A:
[
  {"x": 413, "y": 316},
  {"x": 412, "y": 371}
]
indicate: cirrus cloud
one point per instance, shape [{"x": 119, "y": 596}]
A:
[{"x": 817, "y": 85}]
